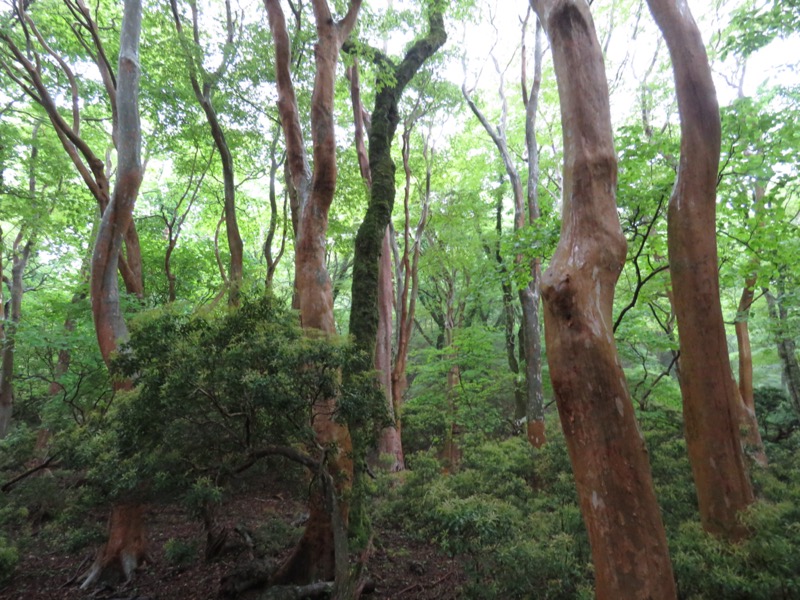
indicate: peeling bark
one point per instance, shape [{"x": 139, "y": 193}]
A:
[
  {"x": 608, "y": 454},
  {"x": 712, "y": 405}
]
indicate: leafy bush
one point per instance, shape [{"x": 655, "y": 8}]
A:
[
  {"x": 212, "y": 392},
  {"x": 510, "y": 512},
  {"x": 274, "y": 535},
  {"x": 180, "y": 553},
  {"x": 8, "y": 560}
]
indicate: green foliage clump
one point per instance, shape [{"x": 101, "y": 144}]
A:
[
  {"x": 274, "y": 535},
  {"x": 8, "y": 560},
  {"x": 180, "y": 553},
  {"x": 763, "y": 566},
  {"x": 510, "y": 514},
  {"x": 210, "y": 393}
]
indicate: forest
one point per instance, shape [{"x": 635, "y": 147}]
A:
[{"x": 405, "y": 299}]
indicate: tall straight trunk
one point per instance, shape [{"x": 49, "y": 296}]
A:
[
  {"x": 753, "y": 441},
  {"x": 749, "y": 422},
  {"x": 316, "y": 556},
  {"x": 711, "y": 401},
  {"x": 529, "y": 395},
  {"x": 118, "y": 215},
  {"x": 11, "y": 311},
  {"x": 407, "y": 270},
  {"x": 530, "y": 296},
  {"x": 608, "y": 454},
  {"x": 390, "y": 443}
]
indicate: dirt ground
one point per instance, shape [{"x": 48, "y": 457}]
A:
[{"x": 400, "y": 567}]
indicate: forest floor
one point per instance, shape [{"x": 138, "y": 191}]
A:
[{"x": 400, "y": 567}]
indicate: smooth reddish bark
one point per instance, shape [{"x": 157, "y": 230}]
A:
[
  {"x": 608, "y": 454},
  {"x": 125, "y": 550},
  {"x": 315, "y": 557},
  {"x": 712, "y": 405}
]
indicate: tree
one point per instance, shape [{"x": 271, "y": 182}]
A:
[
  {"x": 315, "y": 557},
  {"x": 530, "y": 396},
  {"x": 371, "y": 313},
  {"x": 608, "y": 455},
  {"x": 204, "y": 85},
  {"x": 712, "y": 405},
  {"x": 31, "y": 71},
  {"x": 118, "y": 215},
  {"x": 125, "y": 549}
]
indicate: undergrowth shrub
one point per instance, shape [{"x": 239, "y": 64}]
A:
[
  {"x": 511, "y": 514},
  {"x": 8, "y": 560},
  {"x": 515, "y": 540}
]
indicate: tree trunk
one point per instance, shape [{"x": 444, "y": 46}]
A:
[
  {"x": 370, "y": 313},
  {"x": 390, "y": 443},
  {"x": 203, "y": 85},
  {"x": 385, "y": 117},
  {"x": 8, "y": 330},
  {"x": 608, "y": 454},
  {"x": 529, "y": 396},
  {"x": 126, "y": 548},
  {"x": 749, "y": 422},
  {"x": 90, "y": 167},
  {"x": 407, "y": 270},
  {"x": 530, "y": 296},
  {"x": 108, "y": 319},
  {"x": 315, "y": 556},
  {"x": 11, "y": 312},
  {"x": 711, "y": 400}
]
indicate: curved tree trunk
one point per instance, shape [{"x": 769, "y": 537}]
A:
[
  {"x": 318, "y": 553},
  {"x": 125, "y": 549},
  {"x": 108, "y": 319},
  {"x": 608, "y": 454},
  {"x": 90, "y": 167},
  {"x": 369, "y": 239},
  {"x": 370, "y": 313},
  {"x": 711, "y": 401}
]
